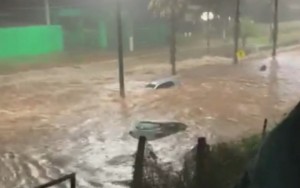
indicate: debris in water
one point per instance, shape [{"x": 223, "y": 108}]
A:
[
  {"x": 263, "y": 68},
  {"x": 121, "y": 159}
]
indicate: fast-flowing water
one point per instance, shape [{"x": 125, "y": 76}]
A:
[{"x": 70, "y": 119}]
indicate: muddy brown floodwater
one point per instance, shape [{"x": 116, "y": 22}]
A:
[{"x": 70, "y": 119}]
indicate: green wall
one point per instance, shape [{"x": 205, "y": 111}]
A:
[{"x": 34, "y": 40}]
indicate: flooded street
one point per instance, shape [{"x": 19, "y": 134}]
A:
[{"x": 70, "y": 119}]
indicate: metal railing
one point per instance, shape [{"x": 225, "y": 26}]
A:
[{"x": 70, "y": 177}]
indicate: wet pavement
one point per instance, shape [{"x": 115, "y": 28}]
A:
[{"x": 71, "y": 119}]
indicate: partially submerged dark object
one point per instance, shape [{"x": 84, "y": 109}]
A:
[
  {"x": 277, "y": 164},
  {"x": 156, "y": 130},
  {"x": 163, "y": 83},
  {"x": 263, "y": 68}
]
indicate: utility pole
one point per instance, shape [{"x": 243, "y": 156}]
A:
[
  {"x": 47, "y": 12},
  {"x": 120, "y": 50},
  {"x": 208, "y": 31},
  {"x": 173, "y": 40},
  {"x": 236, "y": 31},
  {"x": 275, "y": 28}
]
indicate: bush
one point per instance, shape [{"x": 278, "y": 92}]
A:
[{"x": 223, "y": 165}]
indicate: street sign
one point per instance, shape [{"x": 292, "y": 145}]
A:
[{"x": 240, "y": 54}]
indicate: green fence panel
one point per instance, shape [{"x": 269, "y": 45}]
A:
[
  {"x": 34, "y": 40},
  {"x": 103, "y": 43}
]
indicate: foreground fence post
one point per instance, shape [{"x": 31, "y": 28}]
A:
[
  {"x": 200, "y": 156},
  {"x": 73, "y": 181},
  {"x": 264, "y": 131},
  {"x": 139, "y": 163}
]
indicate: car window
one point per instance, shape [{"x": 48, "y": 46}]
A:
[
  {"x": 166, "y": 85},
  {"x": 146, "y": 126}
]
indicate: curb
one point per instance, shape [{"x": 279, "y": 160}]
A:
[{"x": 267, "y": 53}]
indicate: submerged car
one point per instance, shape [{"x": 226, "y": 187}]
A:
[
  {"x": 156, "y": 130},
  {"x": 163, "y": 83}
]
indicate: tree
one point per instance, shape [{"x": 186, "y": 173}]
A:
[
  {"x": 170, "y": 9},
  {"x": 226, "y": 10},
  {"x": 164, "y": 8},
  {"x": 248, "y": 29}
]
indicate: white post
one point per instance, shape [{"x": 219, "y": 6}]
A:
[
  {"x": 47, "y": 12},
  {"x": 224, "y": 34},
  {"x": 131, "y": 43}
]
